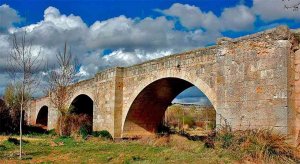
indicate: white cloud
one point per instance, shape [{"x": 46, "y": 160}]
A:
[
  {"x": 193, "y": 100},
  {"x": 192, "y": 17},
  {"x": 237, "y": 18},
  {"x": 270, "y": 10},
  {"x": 94, "y": 61},
  {"x": 8, "y": 16},
  {"x": 133, "y": 40}
]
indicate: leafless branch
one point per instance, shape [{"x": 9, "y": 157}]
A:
[{"x": 23, "y": 66}]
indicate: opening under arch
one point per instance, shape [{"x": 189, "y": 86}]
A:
[
  {"x": 147, "y": 111},
  {"x": 82, "y": 106},
  {"x": 42, "y": 117},
  {"x": 2, "y": 103}
]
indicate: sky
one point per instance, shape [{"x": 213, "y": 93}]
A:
[{"x": 108, "y": 33}]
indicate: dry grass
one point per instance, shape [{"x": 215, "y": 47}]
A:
[
  {"x": 174, "y": 141},
  {"x": 250, "y": 146},
  {"x": 258, "y": 145},
  {"x": 72, "y": 123}
]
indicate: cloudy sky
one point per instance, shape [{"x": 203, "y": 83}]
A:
[{"x": 109, "y": 33}]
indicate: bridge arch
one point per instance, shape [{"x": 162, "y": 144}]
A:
[
  {"x": 42, "y": 116},
  {"x": 151, "y": 99},
  {"x": 83, "y": 104},
  {"x": 2, "y": 102}
]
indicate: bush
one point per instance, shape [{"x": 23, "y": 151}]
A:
[
  {"x": 163, "y": 129},
  {"x": 34, "y": 130},
  {"x": 72, "y": 123},
  {"x": 188, "y": 120},
  {"x": 264, "y": 145},
  {"x": 200, "y": 124},
  {"x": 2, "y": 148},
  {"x": 51, "y": 132},
  {"x": 9, "y": 119},
  {"x": 84, "y": 131},
  {"x": 209, "y": 142},
  {"x": 103, "y": 134},
  {"x": 16, "y": 141}
]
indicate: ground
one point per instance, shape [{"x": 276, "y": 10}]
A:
[
  {"x": 229, "y": 147},
  {"x": 46, "y": 149}
]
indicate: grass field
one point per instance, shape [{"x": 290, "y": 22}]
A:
[
  {"x": 172, "y": 149},
  {"x": 44, "y": 149}
]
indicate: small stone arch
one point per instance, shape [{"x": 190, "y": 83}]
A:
[
  {"x": 2, "y": 102},
  {"x": 83, "y": 104},
  {"x": 42, "y": 116},
  {"x": 87, "y": 93}
]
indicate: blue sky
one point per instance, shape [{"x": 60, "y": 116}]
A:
[
  {"x": 93, "y": 10},
  {"x": 111, "y": 33}
]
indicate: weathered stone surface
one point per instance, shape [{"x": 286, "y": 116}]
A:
[{"x": 252, "y": 82}]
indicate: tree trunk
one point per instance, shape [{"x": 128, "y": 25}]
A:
[
  {"x": 21, "y": 114},
  {"x": 21, "y": 118},
  {"x": 60, "y": 125}
]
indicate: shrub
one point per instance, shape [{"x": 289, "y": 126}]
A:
[
  {"x": 52, "y": 132},
  {"x": 9, "y": 119},
  {"x": 200, "y": 124},
  {"x": 2, "y": 148},
  {"x": 84, "y": 131},
  {"x": 188, "y": 120},
  {"x": 162, "y": 129},
  {"x": 72, "y": 123},
  {"x": 34, "y": 130},
  {"x": 102, "y": 134},
  {"x": 15, "y": 141},
  {"x": 210, "y": 140},
  {"x": 264, "y": 145}
]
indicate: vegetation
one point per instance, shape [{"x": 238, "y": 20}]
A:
[
  {"x": 60, "y": 78},
  {"x": 23, "y": 64},
  {"x": 190, "y": 118},
  {"x": 258, "y": 145},
  {"x": 253, "y": 146},
  {"x": 103, "y": 134},
  {"x": 10, "y": 109},
  {"x": 73, "y": 124}
]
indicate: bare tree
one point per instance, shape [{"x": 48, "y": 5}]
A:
[
  {"x": 23, "y": 66},
  {"x": 60, "y": 78}
]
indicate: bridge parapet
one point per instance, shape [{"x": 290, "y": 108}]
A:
[
  {"x": 181, "y": 60},
  {"x": 107, "y": 74}
]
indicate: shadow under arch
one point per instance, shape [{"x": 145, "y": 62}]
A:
[
  {"x": 2, "y": 103},
  {"x": 83, "y": 105},
  {"x": 147, "y": 109},
  {"x": 42, "y": 117}
]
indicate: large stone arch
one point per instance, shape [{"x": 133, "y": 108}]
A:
[{"x": 200, "y": 84}]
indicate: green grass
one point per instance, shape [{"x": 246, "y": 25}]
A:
[
  {"x": 96, "y": 150},
  {"x": 175, "y": 149}
]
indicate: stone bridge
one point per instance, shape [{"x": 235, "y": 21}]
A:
[{"x": 252, "y": 82}]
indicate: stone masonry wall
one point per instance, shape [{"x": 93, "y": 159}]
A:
[
  {"x": 253, "y": 89},
  {"x": 252, "y": 82},
  {"x": 247, "y": 75}
]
